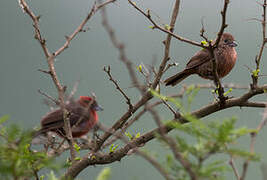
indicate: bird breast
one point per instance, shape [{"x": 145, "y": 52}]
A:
[{"x": 226, "y": 61}]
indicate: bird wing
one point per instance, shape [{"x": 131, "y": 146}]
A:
[
  {"x": 199, "y": 58},
  {"x": 54, "y": 119}
]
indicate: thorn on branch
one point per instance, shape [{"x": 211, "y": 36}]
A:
[
  {"x": 38, "y": 17},
  {"x": 148, "y": 13},
  {"x": 45, "y": 71},
  {"x": 64, "y": 88},
  {"x": 67, "y": 37}
]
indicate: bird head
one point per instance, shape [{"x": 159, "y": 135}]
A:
[
  {"x": 227, "y": 40},
  {"x": 87, "y": 101}
]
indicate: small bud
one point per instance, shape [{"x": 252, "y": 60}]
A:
[
  {"x": 204, "y": 42},
  {"x": 140, "y": 68},
  {"x": 167, "y": 27}
]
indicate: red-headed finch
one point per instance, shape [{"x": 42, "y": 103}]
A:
[{"x": 82, "y": 117}]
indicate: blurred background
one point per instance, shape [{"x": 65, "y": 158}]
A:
[{"x": 89, "y": 52}]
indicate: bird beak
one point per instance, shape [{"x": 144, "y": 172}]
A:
[
  {"x": 233, "y": 44},
  {"x": 98, "y": 108}
]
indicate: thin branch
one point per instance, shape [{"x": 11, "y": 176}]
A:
[
  {"x": 163, "y": 29},
  {"x": 258, "y": 57},
  {"x": 214, "y": 61},
  {"x": 150, "y": 159},
  {"x": 223, "y": 24},
  {"x": 122, "y": 152},
  {"x": 50, "y": 61},
  {"x": 128, "y": 101},
  {"x": 232, "y": 164},
  {"x": 252, "y": 142},
  {"x": 79, "y": 29},
  {"x": 157, "y": 165},
  {"x": 171, "y": 143},
  {"x": 121, "y": 48},
  {"x": 167, "y": 44},
  {"x": 49, "y": 97}
]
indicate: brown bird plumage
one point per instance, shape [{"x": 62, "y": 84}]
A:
[
  {"x": 82, "y": 118},
  {"x": 201, "y": 63}
]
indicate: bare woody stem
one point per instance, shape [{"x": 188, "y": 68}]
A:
[
  {"x": 51, "y": 59},
  {"x": 163, "y": 29},
  {"x": 258, "y": 57},
  {"x": 211, "y": 48},
  {"x": 117, "y": 155},
  {"x": 167, "y": 44}
]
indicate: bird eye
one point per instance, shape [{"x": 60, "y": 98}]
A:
[{"x": 226, "y": 40}]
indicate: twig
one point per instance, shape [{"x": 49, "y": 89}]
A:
[
  {"x": 157, "y": 165},
  {"x": 94, "y": 9},
  {"x": 122, "y": 152},
  {"x": 49, "y": 97},
  {"x": 128, "y": 101},
  {"x": 121, "y": 48},
  {"x": 167, "y": 44},
  {"x": 211, "y": 48},
  {"x": 232, "y": 164},
  {"x": 50, "y": 60},
  {"x": 150, "y": 159},
  {"x": 223, "y": 24},
  {"x": 253, "y": 136},
  {"x": 264, "y": 40},
  {"x": 163, "y": 29},
  {"x": 171, "y": 143}
]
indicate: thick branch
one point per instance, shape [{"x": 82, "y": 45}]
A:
[{"x": 202, "y": 112}]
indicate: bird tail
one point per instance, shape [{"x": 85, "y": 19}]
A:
[{"x": 177, "y": 78}]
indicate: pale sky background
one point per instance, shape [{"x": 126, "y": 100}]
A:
[{"x": 21, "y": 57}]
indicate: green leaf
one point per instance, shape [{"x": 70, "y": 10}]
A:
[
  {"x": 255, "y": 73},
  {"x": 77, "y": 147},
  {"x": 52, "y": 176},
  {"x": 244, "y": 154},
  {"x": 243, "y": 131},
  {"x": 167, "y": 27},
  {"x": 104, "y": 174},
  {"x": 128, "y": 135},
  {"x": 138, "y": 135},
  {"x": 113, "y": 148},
  {"x": 227, "y": 92},
  {"x": 139, "y": 68},
  {"x": 204, "y": 42},
  {"x": 4, "y": 119}
]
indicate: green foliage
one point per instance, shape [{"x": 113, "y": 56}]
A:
[
  {"x": 17, "y": 160},
  {"x": 113, "y": 148},
  {"x": 128, "y": 135},
  {"x": 104, "y": 174},
  {"x": 227, "y": 92},
  {"x": 207, "y": 141},
  {"x": 200, "y": 143},
  {"x": 167, "y": 27},
  {"x": 131, "y": 137},
  {"x": 52, "y": 176},
  {"x": 256, "y": 72}
]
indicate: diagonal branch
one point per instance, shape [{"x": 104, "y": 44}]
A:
[
  {"x": 202, "y": 112},
  {"x": 163, "y": 29},
  {"x": 258, "y": 57},
  {"x": 80, "y": 28},
  {"x": 128, "y": 100}
]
